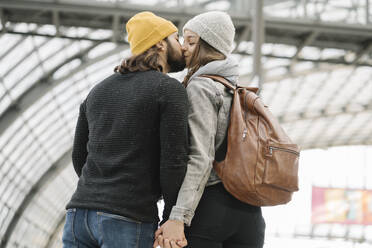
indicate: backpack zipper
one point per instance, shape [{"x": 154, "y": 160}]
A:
[
  {"x": 245, "y": 133},
  {"x": 271, "y": 148}
]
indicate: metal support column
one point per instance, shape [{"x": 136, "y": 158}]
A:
[
  {"x": 180, "y": 3},
  {"x": 368, "y": 20},
  {"x": 115, "y": 28},
  {"x": 304, "y": 4},
  {"x": 258, "y": 39},
  {"x": 56, "y": 22},
  {"x": 3, "y": 21}
]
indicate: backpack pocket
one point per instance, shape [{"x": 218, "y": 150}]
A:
[{"x": 281, "y": 166}]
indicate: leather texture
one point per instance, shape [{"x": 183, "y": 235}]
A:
[{"x": 261, "y": 163}]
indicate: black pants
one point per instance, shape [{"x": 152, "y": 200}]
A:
[{"x": 222, "y": 221}]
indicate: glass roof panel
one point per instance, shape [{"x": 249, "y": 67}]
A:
[
  {"x": 47, "y": 206},
  {"x": 5, "y": 101},
  {"x": 346, "y": 11},
  {"x": 19, "y": 53},
  {"x": 51, "y": 47}
]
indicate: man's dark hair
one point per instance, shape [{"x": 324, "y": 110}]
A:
[{"x": 148, "y": 60}]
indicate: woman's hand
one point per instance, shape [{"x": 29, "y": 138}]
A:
[{"x": 170, "y": 235}]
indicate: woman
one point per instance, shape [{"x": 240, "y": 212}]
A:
[{"x": 218, "y": 219}]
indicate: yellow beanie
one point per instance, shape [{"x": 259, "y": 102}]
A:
[{"x": 146, "y": 29}]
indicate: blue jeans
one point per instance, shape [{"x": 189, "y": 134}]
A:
[{"x": 91, "y": 228}]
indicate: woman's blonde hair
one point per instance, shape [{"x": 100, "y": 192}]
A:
[{"x": 202, "y": 55}]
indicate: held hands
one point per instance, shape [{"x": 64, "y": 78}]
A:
[{"x": 170, "y": 235}]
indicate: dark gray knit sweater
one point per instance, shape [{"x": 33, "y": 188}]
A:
[{"x": 130, "y": 145}]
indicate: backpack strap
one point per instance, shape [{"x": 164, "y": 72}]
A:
[
  {"x": 221, "y": 80},
  {"x": 220, "y": 153},
  {"x": 227, "y": 84}
]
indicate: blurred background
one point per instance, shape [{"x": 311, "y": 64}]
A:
[{"x": 312, "y": 60}]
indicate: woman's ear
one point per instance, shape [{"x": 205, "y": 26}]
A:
[{"x": 161, "y": 45}]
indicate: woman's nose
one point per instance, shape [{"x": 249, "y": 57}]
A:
[{"x": 183, "y": 47}]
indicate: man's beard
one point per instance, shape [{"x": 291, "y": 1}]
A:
[{"x": 175, "y": 63}]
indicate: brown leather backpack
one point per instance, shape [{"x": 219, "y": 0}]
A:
[{"x": 261, "y": 163}]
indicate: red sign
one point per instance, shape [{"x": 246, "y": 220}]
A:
[{"x": 344, "y": 206}]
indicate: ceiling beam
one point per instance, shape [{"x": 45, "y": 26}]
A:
[
  {"x": 324, "y": 113},
  {"x": 280, "y": 26}
]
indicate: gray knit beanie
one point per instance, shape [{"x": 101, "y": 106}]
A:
[{"x": 214, "y": 27}]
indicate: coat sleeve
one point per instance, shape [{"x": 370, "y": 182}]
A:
[{"x": 203, "y": 112}]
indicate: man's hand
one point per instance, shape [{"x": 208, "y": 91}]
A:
[{"x": 166, "y": 243}]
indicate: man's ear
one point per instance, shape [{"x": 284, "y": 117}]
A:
[{"x": 161, "y": 45}]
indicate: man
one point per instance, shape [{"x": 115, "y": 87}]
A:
[{"x": 130, "y": 144}]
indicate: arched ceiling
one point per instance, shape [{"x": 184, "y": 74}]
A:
[{"x": 317, "y": 67}]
